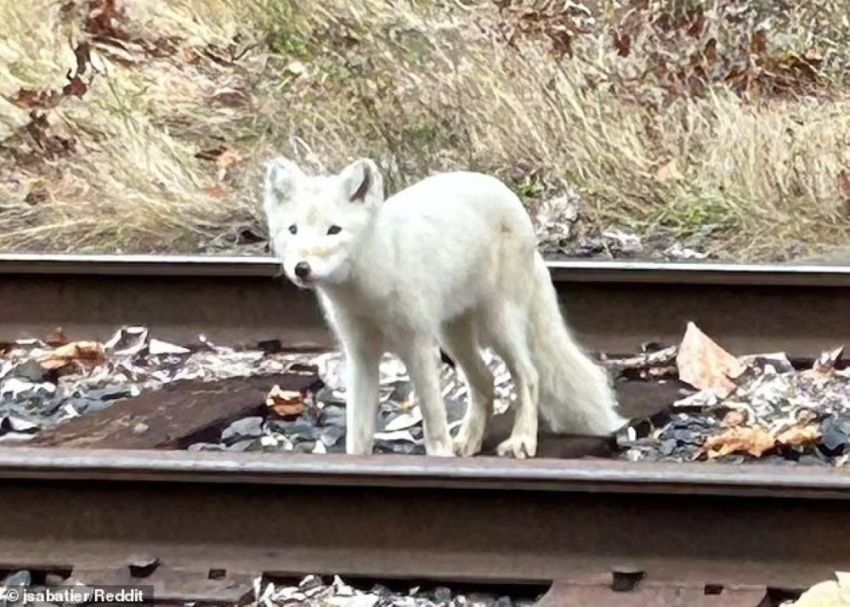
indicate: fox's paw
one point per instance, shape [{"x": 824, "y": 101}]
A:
[
  {"x": 440, "y": 448},
  {"x": 468, "y": 440},
  {"x": 518, "y": 446}
]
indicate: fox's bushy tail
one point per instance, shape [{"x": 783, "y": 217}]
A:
[{"x": 576, "y": 395}]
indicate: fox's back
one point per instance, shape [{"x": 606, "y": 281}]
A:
[
  {"x": 445, "y": 241},
  {"x": 460, "y": 206}
]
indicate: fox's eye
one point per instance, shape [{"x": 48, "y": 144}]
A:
[
  {"x": 293, "y": 229},
  {"x": 334, "y": 230}
]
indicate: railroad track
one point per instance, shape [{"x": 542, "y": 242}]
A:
[
  {"x": 614, "y": 306},
  {"x": 569, "y": 527},
  {"x": 580, "y": 532}
]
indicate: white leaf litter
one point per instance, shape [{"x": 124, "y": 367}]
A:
[
  {"x": 313, "y": 592},
  {"x": 405, "y": 420}
]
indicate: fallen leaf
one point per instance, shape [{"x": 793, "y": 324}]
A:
[
  {"x": 562, "y": 43},
  {"x": 398, "y": 435},
  {"x": 669, "y": 171},
  {"x": 734, "y": 418},
  {"x": 75, "y": 87},
  {"x": 806, "y": 416},
  {"x": 229, "y": 97},
  {"x": 212, "y": 153},
  {"x": 404, "y": 421},
  {"x": 697, "y": 25},
  {"x": 157, "y": 347},
  {"x": 38, "y": 128},
  {"x": 29, "y": 99},
  {"x": 710, "y": 51},
  {"x": 224, "y": 157},
  {"x": 824, "y": 367},
  {"x": 226, "y": 160},
  {"x": 82, "y": 54},
  {"x": 38, "y": 196},
  {"x": 753, "y": 440},
  {"x": 759, "y": 42},
  {"x": 127, "y": 341},
  {"x": 705, "y": 365},
  {"x": 285, "y": 403},
  {"x": 622, "y": 42},
  {"x": 844, "y": 184},
  {"x": 217, "y": 191},
  {"x": 71, "y": 356},
  {"x": 799, "y": 436},
  {"x": 102, "y": 21},
  {"x": 190, "y": 56},
  {"x": 57, "y": 337}
]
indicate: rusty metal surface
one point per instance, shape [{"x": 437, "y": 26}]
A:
[
  {"x": 571, "y": 594},
  {"x": 722, "y": 480},
  {"x": 423, "y": 518},
  {"x": 175, "y": 416},
  {"x": 169, "y": 586},
  {"x": 614, "y": 306},
  {"x": 229, "y": 309}
]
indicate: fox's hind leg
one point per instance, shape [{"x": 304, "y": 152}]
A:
[
  {"x": 508, "y": 332},
  {"x": 459, "y": 340},
  {"x": 421, "y": 358}
]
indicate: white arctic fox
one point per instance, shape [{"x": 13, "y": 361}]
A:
[{"x": 451, "y": 260}]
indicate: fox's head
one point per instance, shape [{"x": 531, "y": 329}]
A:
[{"x": 315, "y": 222}]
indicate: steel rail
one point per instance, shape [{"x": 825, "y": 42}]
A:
[
  {"x": 572, "y": 270},
  {"x": 421, "y": 472},
  {"x": 614, "y": 306},
  {"x": 479, "y": 519}
]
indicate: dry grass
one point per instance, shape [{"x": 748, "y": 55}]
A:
[{"x": 744, "y": 161}]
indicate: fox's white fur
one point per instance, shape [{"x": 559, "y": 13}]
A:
[{"x": 451, "y": 260}]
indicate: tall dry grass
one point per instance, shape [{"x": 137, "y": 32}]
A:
[{"x": 741, "y": 145}]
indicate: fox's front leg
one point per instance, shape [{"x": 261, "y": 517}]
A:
[
  {"x": 362, "y": 399},
  {"x": 420, "y": 357}
]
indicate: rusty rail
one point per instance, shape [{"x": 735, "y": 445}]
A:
[
  {"x": 481, "y": 519},
  {"x": 614, "y": 306}
]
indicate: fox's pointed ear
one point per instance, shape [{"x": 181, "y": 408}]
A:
[
  {"x": 281, "y": 177},
  {"x": 362, "y": 182}
]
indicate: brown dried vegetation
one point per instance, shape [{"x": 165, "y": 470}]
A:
[{"x": 726, "y": 121}]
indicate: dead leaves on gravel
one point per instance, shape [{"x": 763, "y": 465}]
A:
[
  {"x": 287, "y": 404},
  {"x": 705, "y": 365},
  {"x": 756, "y": 441}
]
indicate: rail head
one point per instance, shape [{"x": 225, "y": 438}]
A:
[
  {"x": 563, "y": 271},
  {"x": 480, "y": 473}
]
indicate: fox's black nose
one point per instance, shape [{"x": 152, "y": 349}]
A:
[{"x": 302, "y": 269}]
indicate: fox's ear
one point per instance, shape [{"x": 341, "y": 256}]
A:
[
  {"x": 281, "y": 176},
  {"x": 362, "y": 182}
]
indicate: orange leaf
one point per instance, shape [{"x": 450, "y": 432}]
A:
[
  {"x": 734, "y": 418},
  {"x": 753, "y": 440},
  {"x": 705, "y": 365},
  {"x": 799, "y": 435},
  {"x": 71, "y": 356},
  {"x": 285, "y": 403}
]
